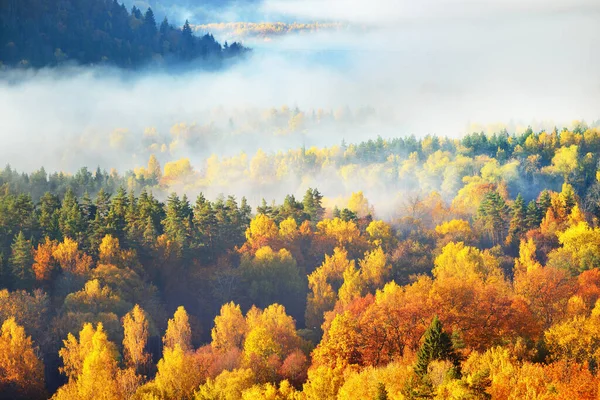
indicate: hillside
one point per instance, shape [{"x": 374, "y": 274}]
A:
[{"x": 40, "y": 33}]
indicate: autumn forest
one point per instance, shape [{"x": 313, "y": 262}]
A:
[
  {"x": 481, "y": 287},
  {"x": 299, "y": 200}
]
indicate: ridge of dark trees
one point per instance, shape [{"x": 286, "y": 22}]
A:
[{"x": 41, "y": 33}]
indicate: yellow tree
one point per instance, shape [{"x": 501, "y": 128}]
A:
[
  {"x": 380, "y": 234},
  {"x": 91, "y": 366},
  {"x": 261, "y": 230},
  {"x": 21, "y": 372},
  {"x": 179, "y": 373},
  {"x": 70, "y": 259},
  {"x": 323, "y": 284},
  {"x": 109, "y": 250},
  {"x": 353, "y": 285},
  {"x": 374, "y": 269},
  {"x": 178, "y": 331},
  {"x": 230, "y": 328},
  {"x": 135, "y": 328},
  {"x": 271, "y": 338}
]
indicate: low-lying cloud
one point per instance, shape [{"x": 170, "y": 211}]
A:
[{"x": 429, "y": 67}]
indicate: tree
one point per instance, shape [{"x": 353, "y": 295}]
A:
[
  {"x": 230, "y": 328},
  {"x": 271, "y": 277},
  {"x": 90, "y": 363},
  {"x": 382, "y": 393},
  {"x": 179, "y": 374},
  {"x": 48, "y": 213},
  {"x": 135, "y": 327},
  {"x": 178, "y": 331},
  {"x": 437, "y": 345},
  {"x": 492, "y": 217},
  {"x": 21, "y": 262},
  {"x": 21, "y": 372},
  {"x": 70, "y": 219},
  {"x": 518, "y": 223},
  {"x": 312, "y": 205},
  {"x": 43, "y": 261}
]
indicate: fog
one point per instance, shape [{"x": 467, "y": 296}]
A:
[{"x": 429, "y": 68}]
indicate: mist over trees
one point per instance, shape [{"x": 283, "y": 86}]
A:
[{"x": 41, "y": 33}]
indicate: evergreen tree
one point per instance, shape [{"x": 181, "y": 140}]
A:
[
  {"x": 518, "y": 223},
  {"x": 71, "y": 221},
  {"x": 164, "y": 27},
  {"x": 150, "y": 22},
  {"x": 99, "y": 226},
  {"x": 133, "y": 228},
  {"x": 436, "y": 346},
  {"x": 533, "y": 217},
  {"x": 492, "y": 217},
  {"x": 175, "y": 221},
  {"x": 115, "y": 220},
  {"x": 382, "y": 393},
  {"x": 312, "y": 204},
  {"x": 204, "y": 223},
  {"x": 545, "y": 201},
  {"x": 48, "y": 213},
  {"x": 21, "y": 261}
]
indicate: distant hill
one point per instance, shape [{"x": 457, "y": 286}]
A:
[{"x": 41, "y": 33}]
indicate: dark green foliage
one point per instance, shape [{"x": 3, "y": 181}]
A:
[
  {"x": 382, "y": 393},
  {"x": 544, "y": 202},
  {"x": 518, "y": 223},
  {"x": 492, "y": 217},
  {"x": 436, "y": 346},
  {"x": 21, "y": 260},
  {"x": 533, "y": 216},
  {"x": 70, "y": 221},
  {"x": 312, "y": 204}
]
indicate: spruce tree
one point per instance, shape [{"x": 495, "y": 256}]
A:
[
  {"x": 21, "y": 261},
  {"x": 532, "y": 215},
  {"x": 436, "y": 346},
  {"x": 518, "y": 223},
  {"x": 545, "y": 201},
  {"x": 48, "y": 212},
  {"x": 382, "y": 393},
  {"x": 71, "y": 221}
]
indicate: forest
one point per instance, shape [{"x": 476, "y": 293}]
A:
[
  {"x": 467, "y": 269},
  {"x": 40, "y": 33}
]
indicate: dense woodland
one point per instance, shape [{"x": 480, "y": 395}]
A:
[
  {"x": 41, "y": 33},
  {"x": 482, "y": 282}
]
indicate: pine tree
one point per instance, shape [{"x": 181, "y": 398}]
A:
[
  {"x": 518, "y": 223},
  {"x": 492, "y": 216},
  {"x": 164, "y": 27},
  {"x": 133, "y": 227},
  {"x": 150, "y": 22},
  {"x": 21, "y": 262},
  {"x": 99, "y": 227},
  {"x": 70, "y": 220},
  {"x": 382, "y": 393},
  {"x": 544, "y": 202},
  {"x": 312, "y": 203},
  {"x": 436, "y": 346},
  {"x": 204, "y": 222},
  {"x": 532, "y": 215},
  {"x": 115, "y": 220},
  {"x": 48, "y": 213}
]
